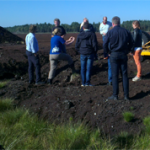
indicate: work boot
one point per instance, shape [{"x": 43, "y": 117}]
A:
[
  {"x": 39, "y": 83},
  {"x": 49, "y": 81},
  {"x": 112, "y": 98}
]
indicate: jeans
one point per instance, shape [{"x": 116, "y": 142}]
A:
[
  {"x": 86, "y": 67},
  {"x": 109, "y": 65},
  {"x": 109, "y": 71},
  {"x": 116, "y": 63},
  {"x": 33, "y": 61}
]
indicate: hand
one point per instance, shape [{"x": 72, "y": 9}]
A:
[
  {"x": 35, "y": 54},
  {"x": 104, "y": 34},
  {"x": 105, "y": 57}
]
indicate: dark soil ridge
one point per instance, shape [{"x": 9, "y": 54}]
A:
[
  {"x": 66, "y": 101},
  {"x": 8, "y": 37}
]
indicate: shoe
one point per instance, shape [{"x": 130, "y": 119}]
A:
[
  {"x": 126, "y": 98},
  {"x": 136, "y": 79},
  {"x": 40, "y": 83},
  {"x": 31, "y": 82},
  {"x": 112, "y": 98},
  {"x": 89, "y": 85},
  {"x": 82, "y": 85},
  {"x": 49, "y": 81},
  {"x": 109, "y": 83}
]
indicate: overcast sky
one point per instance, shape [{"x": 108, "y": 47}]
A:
[{"x": 21, "y": 12}]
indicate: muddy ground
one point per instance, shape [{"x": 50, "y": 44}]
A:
[{"x": 67, "y": 101}]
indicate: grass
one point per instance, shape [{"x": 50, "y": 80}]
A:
[
  {"x": 146, "y": 122},
  {"x": 3, "y": 84},
  {"x": 128, "y": 116},
  {"x": 21, "y": 129}
]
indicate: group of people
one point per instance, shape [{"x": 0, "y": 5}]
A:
[{"x": 117, "y": 43}]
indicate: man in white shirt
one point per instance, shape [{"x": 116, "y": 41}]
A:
[{"x": 104, "y": 28}]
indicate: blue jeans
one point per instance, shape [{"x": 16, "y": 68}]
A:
[
  {"x": 86, "y": 67},
  {"x": 109, "y": 71}
]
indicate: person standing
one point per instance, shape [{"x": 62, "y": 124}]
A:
[
  {"x": 137, "y": 37},
  {"x": 62, "y": 31},
  {"x": 86, "y": 45},
  {"x": 104, "y": 28},
  {"x": 91, "y": 28},
  {"x": 121, "y": 43},
  {"x": 32, "y": 54},
  {"x": 56, "y": 53}
]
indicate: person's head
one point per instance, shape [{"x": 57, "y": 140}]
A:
[
  {"x": 115, "y": 21},
  {"x": 136, "y": 24},
  {"x": 85, "y": 20},
  {"x": 86, "y": 25},
  {"x": 32, "y": 28},
  {"x": 105, "y": 19},
  {"x": 56, "y": 22},
  {"x": 57, "y": 31}
]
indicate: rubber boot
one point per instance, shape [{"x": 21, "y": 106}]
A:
[{"x": 49, "y": 81}]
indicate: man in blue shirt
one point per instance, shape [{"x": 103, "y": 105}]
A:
[
  {"x": 121, "y": 43},
  {"x": 33, "y": 58}
]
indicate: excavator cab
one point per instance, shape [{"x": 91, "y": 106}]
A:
[{"x": 145, "y": 45}]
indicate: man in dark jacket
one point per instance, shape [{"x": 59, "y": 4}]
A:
[
  {"x": 86, "y": 45},
  {"x": 121, "y": 43},
  {"x": 62, "y": 31}
]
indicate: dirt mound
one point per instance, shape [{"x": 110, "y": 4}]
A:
[{"x": 8, "y": 37}]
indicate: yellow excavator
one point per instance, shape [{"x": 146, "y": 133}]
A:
[{"x": 145, "y": 45}]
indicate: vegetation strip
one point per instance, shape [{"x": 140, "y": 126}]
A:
[{"x": 21, "y": 129}]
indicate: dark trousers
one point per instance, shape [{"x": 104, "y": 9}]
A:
[
  {"x": 33, "y": 62},
  {"x": 119, "y": 62}
]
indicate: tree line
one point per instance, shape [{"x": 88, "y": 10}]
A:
[{"x": 74, "y": 27}]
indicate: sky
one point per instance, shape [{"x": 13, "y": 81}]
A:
[{"x": 20, "y": 12}]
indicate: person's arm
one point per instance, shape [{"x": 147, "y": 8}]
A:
[
  {"x": 130, "y": 43},
  {"x": 77, "y": 45},
  {"x": 70, "y": 40},
  {"x": 101, "y": 29},
  {"x": 34, "y": 45},
  {"x": 94, "y": 42},
  {"x": 135, "y": 35}
]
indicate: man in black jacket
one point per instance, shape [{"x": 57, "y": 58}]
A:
[
  {"x": 86, "y": 45},
  {"x": 121, "y": 43},
  {"x": 62, "y": 31}
]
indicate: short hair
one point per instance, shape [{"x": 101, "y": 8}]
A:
[
  {"x": 116, "y": 20},
  {"x": 56, "y": 19},
  {"x": 104, "y": 17},
  {"x": 86, "y": 25},
  {"x": 32, "y": 28},
  {"x": 57, "y": 31},
  {"x": 137, "y": 24},
  {"x": 86, "y": 19}
]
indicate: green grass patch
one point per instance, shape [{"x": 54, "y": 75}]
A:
[
  {"x": 3, "y": 84},
  {"x": 128, "y": 116},
  {"x": 5, "y": 104}
]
